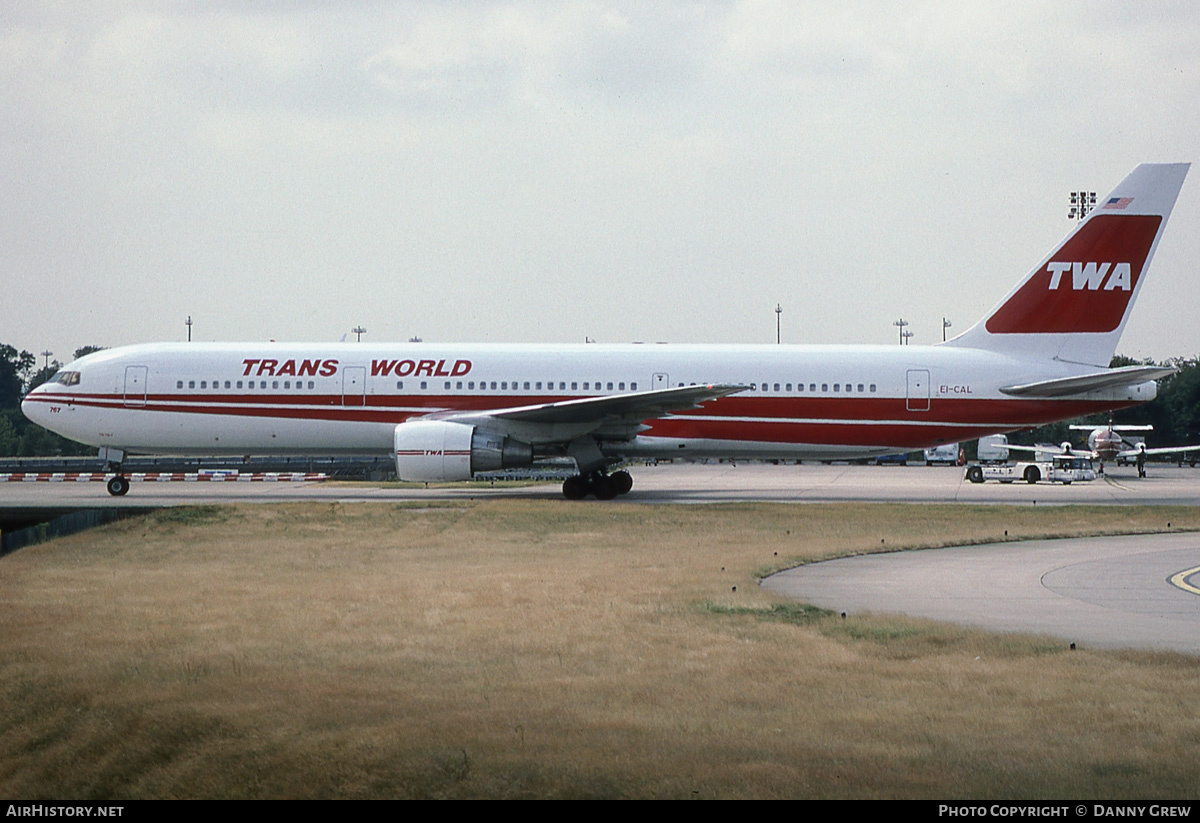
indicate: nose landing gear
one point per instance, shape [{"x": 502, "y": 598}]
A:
[{"x": 118, "y": 484}]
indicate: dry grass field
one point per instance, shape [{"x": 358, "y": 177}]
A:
[{"x": 551, "y": 649}]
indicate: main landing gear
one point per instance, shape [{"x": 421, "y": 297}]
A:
[
  {"x": 118, "y": 485},
  {"x": 603, "y": 486}
]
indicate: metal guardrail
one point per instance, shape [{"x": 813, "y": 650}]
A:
[{"x": 60, "y": 526}]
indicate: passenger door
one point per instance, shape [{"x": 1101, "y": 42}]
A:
[
  {"x": 918, "y": 390},
  {"x": 135, "y": 386},
  {"x": 354, "y": 386}
]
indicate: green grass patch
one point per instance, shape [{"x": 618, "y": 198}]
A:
[
  {"x": 192, "y": 515},
  {"x": 797, "y": 614}
]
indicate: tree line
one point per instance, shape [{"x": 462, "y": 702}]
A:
[
  {"x": 18, "y": 436},
  {"x": 1175, "y": 415}
]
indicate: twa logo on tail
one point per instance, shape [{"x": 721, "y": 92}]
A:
[
  {"x": 1090, "y": 275},
  {"x": 1088, "y": 282}
]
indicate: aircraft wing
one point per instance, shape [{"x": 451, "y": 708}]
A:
[
  {"x": 1107, "y": 379},
  {"x": 1162, "y": 450},
  {"x": 1120, "y": 427},
  {"x": 566, "y": 419},
  {"x": 1056, "y": 450}
]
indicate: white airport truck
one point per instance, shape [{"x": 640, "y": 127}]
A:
[
  {"x": 993, "y": 449},
  {"x": 1063, "y": 468},
  {"x": 947, "y": 454}
]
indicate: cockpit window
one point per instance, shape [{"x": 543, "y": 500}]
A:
[{"x": 67, "y": 378}]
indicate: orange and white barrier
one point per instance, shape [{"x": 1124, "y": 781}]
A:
[{"x": 164, "y": 477}]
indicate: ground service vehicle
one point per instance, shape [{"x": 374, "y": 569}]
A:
[
  {"x": 1065, "y": 469},
  {"x": 946, "y": 454},
  {"x": 993, "y": 449}
]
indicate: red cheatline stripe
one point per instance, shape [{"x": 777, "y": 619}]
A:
[
  {"x": 424, "y": 453},
  {"x": 949, "y": 411}
]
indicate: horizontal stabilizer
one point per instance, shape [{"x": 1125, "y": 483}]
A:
[{"x": 1083, "y": 383}]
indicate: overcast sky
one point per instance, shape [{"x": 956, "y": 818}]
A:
[{"x": 549, "y": 171}]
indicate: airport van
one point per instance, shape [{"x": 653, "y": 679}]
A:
[
  {"x": 945, "y": 454},
  {"x": 993, "y": 449}
]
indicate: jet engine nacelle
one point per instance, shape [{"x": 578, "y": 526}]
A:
[{"x": 436, "y": 450}]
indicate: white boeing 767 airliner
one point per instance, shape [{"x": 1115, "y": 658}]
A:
[{"x": 449, "y": 411}]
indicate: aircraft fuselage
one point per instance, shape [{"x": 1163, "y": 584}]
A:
[{"x": 799, "y": 401}]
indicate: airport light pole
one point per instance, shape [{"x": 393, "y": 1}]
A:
[
  {"x": 1082, "y": 202},
  {"x": 46, "y": 354},
  {"x": 188, "y": 323},
  {"x": 904, "y": 335},
  {"x": 778, "y": 312},
  {"x": 945, "y": 325},
  {"x": 901, "y": 323},
  {"x": 360, "y": 331}
]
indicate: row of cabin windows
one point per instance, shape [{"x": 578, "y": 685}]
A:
[
  {"x": 483, "y": 385},
  {"x": 502, "y": 385},
  {"x": 249, "y": 384},
  {"x": 812, "y": 387},
  {"x": 849, "y": 388},
  {"x": 459, "y": 385}
]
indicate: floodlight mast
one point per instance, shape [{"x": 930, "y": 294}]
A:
[{"x": 1082, "y": 202}]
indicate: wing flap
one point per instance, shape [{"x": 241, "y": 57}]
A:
[{"x": 592, "y": 413}]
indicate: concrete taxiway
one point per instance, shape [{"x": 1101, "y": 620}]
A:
[
  {"x": 1112, "y": 592},
  {"x": 669, "y": 483}
]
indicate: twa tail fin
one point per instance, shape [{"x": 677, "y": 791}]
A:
[{"x": 1074, "y": 305}]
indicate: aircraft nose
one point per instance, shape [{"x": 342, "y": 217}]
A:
[{"x": 34, "y": 408}]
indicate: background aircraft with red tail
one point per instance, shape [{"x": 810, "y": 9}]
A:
[{"x": 1105, "y": 444}]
